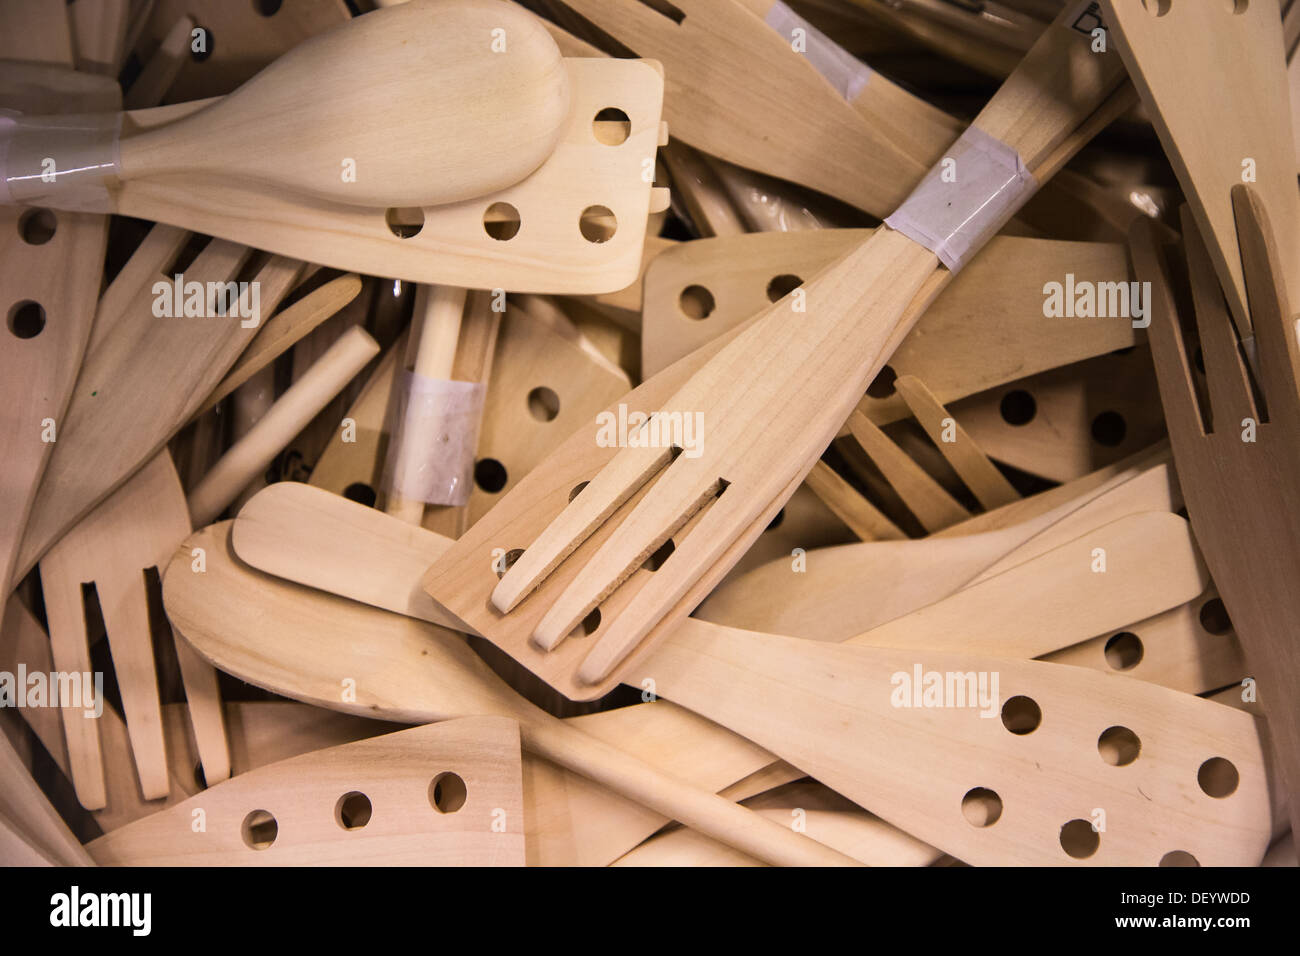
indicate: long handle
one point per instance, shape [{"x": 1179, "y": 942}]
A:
[
  {"x": 288, "y": 416},
  {"x": 706, "y": 812}
]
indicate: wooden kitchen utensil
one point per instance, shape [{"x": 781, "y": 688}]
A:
[
  {"x": 548, "y": 233},
  {"x": 134, "y": 530},
  {"x": 934, "y": 625},
  {"x": 1218, "y": 134},
  {"x": 848, "y": 589},
  {"x": 1238, "y": 458},
  {"x": 48, "y": 303},
  {"x": 745, "y": 470},
  {"x": 784, "y": 119},
  {"x": 477, "y": 116},
  {"x": 446, "y": 794},
  {"x": 449, "y": 680},
  {"x": 987, "y": 328},
  {"x": 134, "y": 360}
]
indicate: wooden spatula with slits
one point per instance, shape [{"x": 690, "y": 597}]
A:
[{"x": 771, "y": 400}]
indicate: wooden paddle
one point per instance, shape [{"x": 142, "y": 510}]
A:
[
  {"x": 446, "y": 794},
  {"x": 772, "y": 401},
  {"x": 475, "y": 119}
]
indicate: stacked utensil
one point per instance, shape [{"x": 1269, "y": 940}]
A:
[{"x": 486, "y": 433}]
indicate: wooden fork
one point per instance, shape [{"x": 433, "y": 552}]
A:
[{"x": 1239, "y": 470}]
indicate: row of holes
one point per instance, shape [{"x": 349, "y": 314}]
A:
[
  {"x": 1124, "y": 650},
  {"x": 26, "y": 318},
  {"x": 447, "y": 794},
  {"x": 501, "y": 221},
  {"x": 1117, "y": 746},
  {"x": 697, "y": 302}
]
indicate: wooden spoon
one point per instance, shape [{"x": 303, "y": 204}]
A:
[
  {"x": 446, "y": 794},
  {"x": 476, "y": 114},
  {"x": 772, "y": 401}
]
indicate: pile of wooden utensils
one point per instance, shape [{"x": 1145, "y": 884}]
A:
[{"x": 723, "y": 432}]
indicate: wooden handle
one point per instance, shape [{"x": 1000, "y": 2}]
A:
[{"x": 288, "y": 416}]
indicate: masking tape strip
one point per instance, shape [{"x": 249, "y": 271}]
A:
[
  {"x": 965, "y": 198},
  {"x": 65, "y": 161},
  {"x": 431, "y": 452},
  {"x": 841, "y": 68}
]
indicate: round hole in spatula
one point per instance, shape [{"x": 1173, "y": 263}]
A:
[
  {"x": 353, "y": 810},
  {"x": 27, "y": 319},
  {"x": 259, "y": 830},
  {"x": 37, "y": 226},
  {"x": 1157, "y": 8},
  {"x": 1214, "y": 617},
  {"x": 981, "y": 807},
  {"x": 611, "y": 126},
  {"x": 1119, "y": 746},
  {"x": 361, "y": 493},
  {"x": 543, "y": 403},
  {"x": 1021, "y": 715},
  {"x": 501, "y": 221},
  {"x": 1124, "y": 651},
  {"x": 1018, "y": 407},
  {"x": 1179, "y": 858},
  {"x": 1109, "y": 429},
  {"x": 696, "y": 302},
  {"x": 490, "y": 475},
  {"x": 598, "y": 224},
  {"x": 447, "y": 792},
  {"x": 577, "y": 489},
  {"x": 1218, "y": 778},
  {"x": 1079, "y": 839},
  {"x": 404, "y": 221},
  {"x": 782, "y": 285}
]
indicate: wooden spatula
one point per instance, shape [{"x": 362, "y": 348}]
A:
[
  {"x": 1218, "y": 134},
  {"x": 48, "y": 286},
  {"x": 925, "y": 628},
  {"x": 772, "y": 401},
  {"x": 447, "y": 794},
  {"x": 318, "y": 120},
  {"x": 1238, "y": 458}
]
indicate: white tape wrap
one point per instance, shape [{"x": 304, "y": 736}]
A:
[
  {"x": 431, "y": 453},
  {"x": 62, "y": 161},
  {"x": 841, "y": 68},
  {"x": 965, "y": 198}
]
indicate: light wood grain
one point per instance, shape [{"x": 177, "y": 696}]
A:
[{"x": 396, "y": 773}]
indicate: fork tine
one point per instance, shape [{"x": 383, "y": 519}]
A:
[
  {"x": 652, "y": 521},
  {"x": 1225, "y": 372},
  {"x": 614, "y": 484},
  {"x": 928, "y": 500},
  {"x": 1168, "y": 352},
  {"x": 698, "y": 550},
  {"x": 1270, "y": 311},
  {"x": 625, "y": 19}
]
